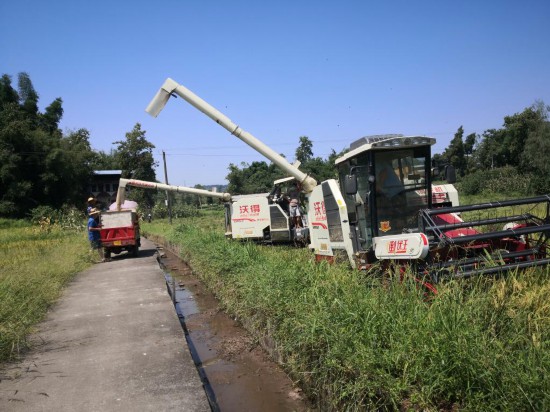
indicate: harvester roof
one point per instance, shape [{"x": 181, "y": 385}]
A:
[{"x": 384, "y": 142}]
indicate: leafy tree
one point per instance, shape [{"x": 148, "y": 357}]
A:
[
  {"x": 517, "y": 129},
  {"x": 7, "y": 92},
  {"x": 78, "y": 159},
  {"x": 135, "y": 156},
  {"x": 236, "y": 179},
  {"x": 304, "y": 151},
  {"x": 454, "y": 154},
  {"x": 536, "y": 157},
  {"x": 31, "y": 158},
  {"x": 52, "y": 116},
  {"x": 256, "y": 177},
  {"x": 105, "y": 161},
  {"x": 16, "y": 160},
  {"x": 321, "y": 169},
  {"x": 438, "y": 161},
  {"x": 469, "y": 144},
  {"x": 27, "y": 95},
  {"x": 489, "y": 152},
  {"x": 505, "y": 146}
]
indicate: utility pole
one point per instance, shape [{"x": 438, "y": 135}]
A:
[{"x": 168, "y": 202}]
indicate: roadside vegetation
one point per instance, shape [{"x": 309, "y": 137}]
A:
[
  {"x": 36, "y": 262},
  {"x": 356, "y": 341}
]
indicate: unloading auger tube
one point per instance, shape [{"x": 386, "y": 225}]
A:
[
  {"x": 153, "y": 185},
  {"x": 170, "y": 86}
]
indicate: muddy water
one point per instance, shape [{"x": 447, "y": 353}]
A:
[{"x": 237, "y": 373}]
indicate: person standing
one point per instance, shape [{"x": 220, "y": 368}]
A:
[
  {"x": 91, "y": 204},
  {"x": 295, "y": 213},
  {"x": 94, "y": 236},
  {"x": 294, "y": 206}
]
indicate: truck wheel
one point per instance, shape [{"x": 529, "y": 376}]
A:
[
  {"x": 107, "y": 253},
  {"x": 135, "y": 251}
]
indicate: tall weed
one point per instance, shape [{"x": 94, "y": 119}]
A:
[{"x": 357, "y": 341}]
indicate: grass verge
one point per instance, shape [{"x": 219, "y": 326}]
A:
[
  {"x": 35, "y": 264},
  {"x": 354, "y": 341}
]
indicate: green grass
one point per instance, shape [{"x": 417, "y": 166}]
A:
[
  {"x": 354, "y": 341},
  {"x": 35, "y": 263}
]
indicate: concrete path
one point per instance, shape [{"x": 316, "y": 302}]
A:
[{"x": 112, "y": 342}]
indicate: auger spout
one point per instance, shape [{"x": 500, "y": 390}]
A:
[{"x": 170, "y": 86}]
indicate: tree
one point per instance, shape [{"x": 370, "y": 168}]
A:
[
  {"x": 321, "y": 169},
  {"x": 16, "y": 163},
  {"x": 135, "y": 156},
  {"x": 438, "y": 161},
  {"x": 454, "y": 154},
  {"x": 469, "y": 144},
  {"x": 7, "y": 92},
  {"x": 52, "y": 116},
  {"x": 31, "y": 159},
  {"x": 105, "y": 161},
  {"x": 235, "y": 177},
  {"x": 517, "y": 129},
  {"x": 304, "y": 151},
  {"x": 490, "y": 152},
  {"x": 27, "y": 95},
  {"x": 505, "y": 146},
  {"x": 78, "y": 159},
  {"x": 257, "y": 177},
  {"x": 536, "y": 157}
]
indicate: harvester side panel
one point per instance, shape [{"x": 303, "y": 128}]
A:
[
  {"x": 250, "y": 217},
  {"x": 328, "y": 222},
  {"x": 333, "y": 214}
]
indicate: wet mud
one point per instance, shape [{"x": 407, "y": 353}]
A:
[{"x": 237, "y": 373}]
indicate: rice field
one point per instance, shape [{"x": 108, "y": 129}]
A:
[{"x": 36, "y": 262}]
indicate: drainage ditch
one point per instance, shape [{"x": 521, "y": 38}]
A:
[{"x": 236, "y": 372}]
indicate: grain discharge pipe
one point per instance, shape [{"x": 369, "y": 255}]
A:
[{"x": 171, "y": 87}]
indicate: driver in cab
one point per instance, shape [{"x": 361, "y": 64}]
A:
[{"x": 388, "y": 183}]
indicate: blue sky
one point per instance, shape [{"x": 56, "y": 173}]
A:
[{"x": 332, "y": 71}]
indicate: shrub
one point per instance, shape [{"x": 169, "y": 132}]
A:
[
  {"x": 503, "y": 181},
  {"x": 67, "y": 217},
  {"x": 539, "y": 184},
  {"x": 42, "y": 213},
  {"x": 178, "y": 211}
]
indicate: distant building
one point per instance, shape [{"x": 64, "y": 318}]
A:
[{"x": 104, "y": 186}]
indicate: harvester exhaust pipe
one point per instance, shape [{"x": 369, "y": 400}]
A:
[{"x": 170, "y": 86}]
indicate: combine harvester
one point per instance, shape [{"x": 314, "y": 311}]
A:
[
  {"x": 255, "y": 217},
  {"x": 385, "y": 209}
]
